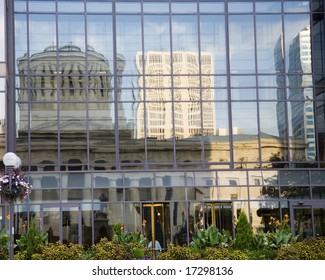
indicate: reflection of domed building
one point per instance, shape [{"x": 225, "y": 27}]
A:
[
  {"x": 65, "y": 74},
  {"x": 71, "y": 98}
]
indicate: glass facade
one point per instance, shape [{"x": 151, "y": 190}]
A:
[{"x": 164, "y": 115}]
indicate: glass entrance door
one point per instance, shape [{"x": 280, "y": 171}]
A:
[
  {"x": 219, "y": 214},
  {"x": 155, "y": 224},
  {"x": 307, "y": 219},
  {"x": 62, "y": 223},
  {"x": 303, "y": 222}
]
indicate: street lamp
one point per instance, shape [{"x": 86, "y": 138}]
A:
[{"x": 11, "y": 161}]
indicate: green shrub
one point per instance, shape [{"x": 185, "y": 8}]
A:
[
  {"x": 4, "y": 239},
  {"x": 244, "y": 233},
  {"x": 279, "y": 238},
  {"x": 260, "y": 240},
  {"x": 310, "y": 249},
  {"x": 123, "y": 236},
  {"x": 113, "y": 250},
  {"x": 262, "y": 254},
  {"x": 175, "y": 252},
  {"x": 59, "y": 251},
  {"x": 211, "y": 237},
  {"x": 273, "y": 240},
  {"x": 29, "y": 241},
  {"x": 223, "y": 254}
]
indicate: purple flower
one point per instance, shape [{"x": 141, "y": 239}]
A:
[{"x": 19, "y": 188}]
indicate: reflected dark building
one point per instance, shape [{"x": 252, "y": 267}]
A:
[
  {"x": 165, "y": 117},
  {"x": 301, "y": 93}
]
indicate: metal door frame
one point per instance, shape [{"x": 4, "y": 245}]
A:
[
  {"x": 304, "y": 204},
  {"x": 221, "y": 203},
  {"x": 152, "y": 206}
]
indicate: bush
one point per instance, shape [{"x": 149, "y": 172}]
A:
[
  {"x": 262, "y": 254},
  {"x": 211, "y": 237},
  {"x": 308, "y": 249},
  {"x": 175, "y": 252},
  {"x": 124, "y": 237},
  {"x": 4, "y": 239},
  {"x": 280, "y": 238},
  {"x": 113, "y": 250},
  {"x": 59, "y": 251},
  {"x": 244, "y": 233},
  {"x": 29, "y": 242},
  {"x": 273, "y": 240},
  {"x": 223, "y": 254}
]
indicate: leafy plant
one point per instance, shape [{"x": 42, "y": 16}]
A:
[
  {"x": 223, "y": 254},
  {"x": 308, "y": 249},
  {"x": 211, "y": 237},
  {"x": 281, "y": 237},
  {"x": 29, "y": 241},
  {"x": 176, "y": 252},
  {"x": 244, "y": 233},
  {"x": 4, "y": 239},
  {"x": 112, "y": 250},
  {"x": 262, "y": 254},
  {"x": 260, "y": 240},
  {"x": 124, "y": 237},
  {"x": 59, "y": 251}
]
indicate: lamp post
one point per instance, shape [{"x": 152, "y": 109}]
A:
[{"x": 11, "y": 161}]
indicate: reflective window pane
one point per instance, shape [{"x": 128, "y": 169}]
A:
[
  {"x": 302, "y": 129},
  {"x": 212, "y": 34},
  {"x": 211, "y": 7},
  {"x": 268, "y": 7},
  {"x": 243, "y": 94},
  {"x": 294, "y": 178},
  {"x": 99, "y": 7},
  {"x": 100, "y": 36},
  {"x": 70, "y": 6},
  {"x": 296, "y": 6},
  {"x": 297, "y": 43},
  {"x": 41, "y": 6},
  {"x": 184, "y": 36},
  {"x": 240, "y": 7},
  {"x": 128, "y": 36},
  {"x": 155, "y": 7},
  {"x": 243, "y": 81},
  {"x": 128, "y": 7},
  {"x": 241, "y": 40},
  {"x": 244, "y": 133},
  {"x": 269, "y": 43},
  {"x": 156, "y": 29},
  {"x": 184, "y": 8},
  {"x": 71, "y": 32}
]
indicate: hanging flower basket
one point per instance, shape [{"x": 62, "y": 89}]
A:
[{"x": 19, "y": 187}]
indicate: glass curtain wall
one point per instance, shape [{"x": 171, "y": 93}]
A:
[
  {"x": 138, "y": 85},
  {"x": 194, "y": 109}
]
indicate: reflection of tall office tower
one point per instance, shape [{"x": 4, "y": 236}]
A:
[
  {"x": 281, "y": 93},
  {"x": 188, "y": 90},
  {"x": 300, "y": 89},
  {"x": 61, "y": 75}
]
